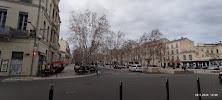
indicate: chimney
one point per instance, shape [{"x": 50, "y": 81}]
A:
[{"x": 181, "y": 37}]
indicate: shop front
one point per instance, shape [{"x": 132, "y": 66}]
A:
[{"x": 174, "y": 64}]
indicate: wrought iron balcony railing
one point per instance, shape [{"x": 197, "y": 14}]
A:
[{"x": 12, "y": 32}]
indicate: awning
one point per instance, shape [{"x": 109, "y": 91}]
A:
[
  {"x": 58, "y": 62},
  {"x": 174, "y": 62}
]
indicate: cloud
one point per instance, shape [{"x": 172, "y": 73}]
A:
[{"x": 198, "y": 20}]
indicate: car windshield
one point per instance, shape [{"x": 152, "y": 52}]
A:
[
  {"x": 139, "y": 66},
  {"x": 133, "y": 66}
]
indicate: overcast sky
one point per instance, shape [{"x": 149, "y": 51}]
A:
[{"x": 198, "y": 20}]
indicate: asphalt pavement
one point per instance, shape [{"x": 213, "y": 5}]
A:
[{"x": 105, "y": 86}]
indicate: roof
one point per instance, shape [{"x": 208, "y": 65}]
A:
[{"x": 178, "y": 40}]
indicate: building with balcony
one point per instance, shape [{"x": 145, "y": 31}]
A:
[
  {"x": 64, "y": 51},
  {"x": 29, "y": 35}
]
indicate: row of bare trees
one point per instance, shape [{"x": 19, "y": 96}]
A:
[{"x": 95, "y": 42}]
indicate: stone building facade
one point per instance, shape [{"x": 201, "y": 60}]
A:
[
  {"x": 175, "y": 50},
  {"x": 64, "y": 51},
  {"x": 29, "y": 35}
]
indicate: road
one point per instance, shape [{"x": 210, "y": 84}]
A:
[{"x": 105, "y": 86}]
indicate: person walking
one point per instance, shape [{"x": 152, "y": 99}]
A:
[{"x": 97, "y": 69}]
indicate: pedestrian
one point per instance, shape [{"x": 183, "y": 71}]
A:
[{"x": 96, "y": 67}]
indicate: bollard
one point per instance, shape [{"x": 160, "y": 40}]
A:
[
  {"x": 51, "y": 91},
  {"x": 167, "y": 89},
  {"x": 198, "y": 88},
  {"x": 121, "y": 90}
]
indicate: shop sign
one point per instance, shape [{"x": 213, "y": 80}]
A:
[{"x": 4, "y": 65}]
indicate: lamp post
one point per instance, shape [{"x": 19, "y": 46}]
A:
[{"x": 34, "y": 47}]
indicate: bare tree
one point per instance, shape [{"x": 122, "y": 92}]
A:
[
  {"x": 150, "y": 45},
  {"x": 87, "y": 32}
]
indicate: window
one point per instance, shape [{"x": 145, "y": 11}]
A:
[
  {"x": 167, "y": 46},
  {"x": 48, "y": 34},
  {"x": 171, "y": 45},
  {"x": 26, "y": 1},
  {"x": 168, "y": 52},
  {"x": 163, "y": 58},
  {"x": 46, "y": 5},
  {"x": 44, "y": 27},
  {"x": 53, "y": 13},
  {"x": 217, "y": 51},
  {"x": 168, "y": 58},
  {"x": 50, "y": 10},
  {"x": 23, "y": 18},
  {"x": 177, "y": 51},
  {"x": 178, "y": 58},
  {"x": 207, "y": 51},
  {"x": 212, "y": 51},
  {"x": 184, "y": 57},
  {"x": 172, "y": 57},
  {"x": 172, "y": 51},
  {"x": 3, "y": 14},
  {"x": 56, "y": 18},
  {"x": 190, "y": 57},
  {"x": 176, "y": 45},
  {"x": 51, "y": 36}
]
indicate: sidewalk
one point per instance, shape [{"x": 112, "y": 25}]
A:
[
  {"x": 198, "y": 71},
  {"x": 68, "y": 72}
]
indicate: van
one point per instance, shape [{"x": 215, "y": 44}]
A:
[{"x": 136, "y": 68}]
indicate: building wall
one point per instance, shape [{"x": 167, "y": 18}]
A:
[
  {"x": 64, "y": 51},
  {"x": 184, "y": 45},
  {"x": 37, "y": 16},
  {"x": 19, "y": 45}
]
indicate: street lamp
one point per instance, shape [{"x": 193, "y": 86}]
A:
[{"x": 34, "y": 47}]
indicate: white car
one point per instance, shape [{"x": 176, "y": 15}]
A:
[
  {"x": 213, "y": 68},
  {"x": 136, "y": 68}
]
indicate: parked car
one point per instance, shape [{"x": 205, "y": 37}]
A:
[
  {"x": 197, "y": 67},
  {"x": 136, "y": 68},
  {"x": 213, "y": 68},
  {"x": 220, "y": 77},
  {"x": 119, "y": 66},
  {"x": 205, "y": 67}
]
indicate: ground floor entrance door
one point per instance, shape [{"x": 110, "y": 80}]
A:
[{"x": 16, "y": 63}]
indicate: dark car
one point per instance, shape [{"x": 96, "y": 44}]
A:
[
  {"x": 205, "y": 67},
  {"x": 220, "y": 77},
  {"x": 197, "y": 67}
]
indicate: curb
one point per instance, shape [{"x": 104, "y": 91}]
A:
[
  {"x": 114, "y": 69},
  {"x": 47, "y": 78}
]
